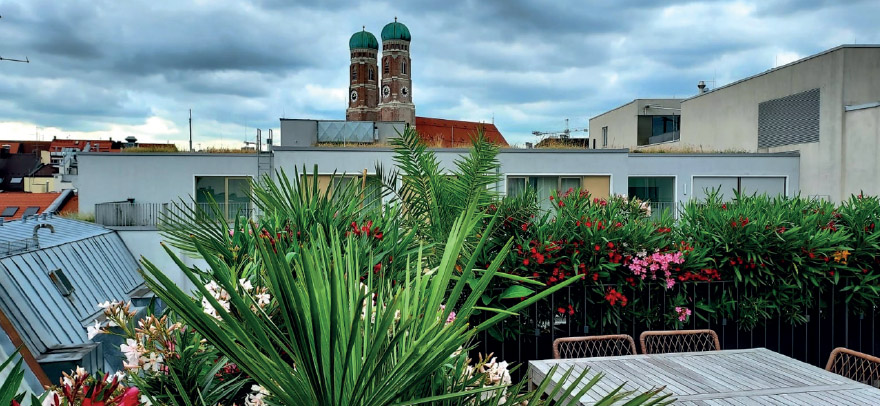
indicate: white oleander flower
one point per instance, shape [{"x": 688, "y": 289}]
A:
[{"x": 93, "y": 331}]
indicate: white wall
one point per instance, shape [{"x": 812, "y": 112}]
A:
[
  {"x": 146, "y": 244},
  {"x": 152, "y": 178}
]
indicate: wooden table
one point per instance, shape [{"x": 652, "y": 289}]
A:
[{"x": 733, "y": 377}]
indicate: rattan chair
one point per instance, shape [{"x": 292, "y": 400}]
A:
[
  {"x": 855, "y": 365},
  {"x": 593, "y": 346},
  {"x": 661, "y": 342}
]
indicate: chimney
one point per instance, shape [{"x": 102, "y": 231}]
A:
[
  {"x": 702, "y": 87},
  {"x": 5, "y": 150}
]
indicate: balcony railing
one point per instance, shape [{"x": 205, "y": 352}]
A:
[
  {"x": 150, "y": 215},
  {"x": 657, "y": 208}
]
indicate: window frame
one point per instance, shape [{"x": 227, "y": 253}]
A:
[
  {"x": 225, "y": 203},
  {"x": 605, "y": 136}
]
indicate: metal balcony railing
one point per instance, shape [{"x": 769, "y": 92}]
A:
[
  {"x": 150, "y": 215},
  {"x": 657, "y": 208}
]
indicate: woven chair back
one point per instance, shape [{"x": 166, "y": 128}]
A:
[
  {"x": 855, "y": 365},
  {"x": 593, "y": 346},
  {"x": 661, "y": 342}
]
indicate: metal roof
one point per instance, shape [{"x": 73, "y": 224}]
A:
[
  {"x": 66, "y": 230},
  {"x": 95, "y": 261}
]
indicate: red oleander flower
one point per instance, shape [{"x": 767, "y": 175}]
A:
[
  {"x": 526, "y": 262},
  {"x": 525, "y": 226},
  {"x": 561, "y": 310},
  {"x": 597, "y": 248},
  {"x": 610, "y": 245}
]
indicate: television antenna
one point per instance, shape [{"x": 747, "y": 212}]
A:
[{"x": 26, "y": 60}]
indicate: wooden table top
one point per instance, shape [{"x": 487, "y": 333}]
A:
[{"x": 732, "y": 377}]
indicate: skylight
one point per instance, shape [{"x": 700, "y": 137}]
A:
[{"x": 9, "y": 211}]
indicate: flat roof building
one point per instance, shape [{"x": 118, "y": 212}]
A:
[{"x": 825, "y": 106}]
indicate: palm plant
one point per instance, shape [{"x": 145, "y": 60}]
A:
[
  {"x": 334, "y": 336},
  {"x": 433, "y": 197}
]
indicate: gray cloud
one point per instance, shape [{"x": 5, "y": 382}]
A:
[{"x": 531, "y": 64}]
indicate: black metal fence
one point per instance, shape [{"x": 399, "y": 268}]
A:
[{"x": 826, "y": 322}]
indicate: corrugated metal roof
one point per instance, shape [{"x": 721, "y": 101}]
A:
[{"x": 96, "y": 262}]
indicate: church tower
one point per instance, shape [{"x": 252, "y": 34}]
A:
[
  {"x": 395, "y": 95},
  {"x": 363, "y": 89}
]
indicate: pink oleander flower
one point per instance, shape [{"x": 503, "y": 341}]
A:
[{"x": 683, "y": 313}]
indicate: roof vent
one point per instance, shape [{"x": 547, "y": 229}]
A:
[{"x": 702, "y": 87}]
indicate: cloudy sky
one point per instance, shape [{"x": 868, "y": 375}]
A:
[{"x": 104, "y": 68}]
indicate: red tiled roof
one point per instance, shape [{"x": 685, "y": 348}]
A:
[
  {"x": 24, "y": 200},
  {"x": 14, "y": 146},
  {"x": 455, "y": 133}
]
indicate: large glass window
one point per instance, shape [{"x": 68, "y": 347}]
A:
[
  {"x": 231, "y": 193},
  {"x": 664, "y": 124},
  {"x": 659, "y": 191},
  {"x": 544, "y": 186}
]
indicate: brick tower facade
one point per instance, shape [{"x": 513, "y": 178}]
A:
[
  {"x": 363, "y": 89},
  {"x": 395, "y": 92}
]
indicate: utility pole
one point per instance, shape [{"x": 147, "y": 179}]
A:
[{"x": 190, "y": 130}]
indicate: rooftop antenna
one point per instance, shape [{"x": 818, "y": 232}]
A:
[
  {"x": 190, "y": 130},
  {"x": 26, "y": 60}
]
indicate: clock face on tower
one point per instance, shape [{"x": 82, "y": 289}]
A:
[
  {"x": 404, "y": 91},
  {"x": 386, "y": 91},
  {"x": 354, "y": 95}
]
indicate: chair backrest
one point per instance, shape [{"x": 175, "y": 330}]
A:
[
  {"x": 661, "y": 342},
  {"x": 593, "y": 346},
  {"x": 855, "y": 365}
]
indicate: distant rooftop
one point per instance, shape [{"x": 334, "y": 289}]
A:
[
  {"x": 14, "y": 205},
  {"x": 455, "y": 133}
]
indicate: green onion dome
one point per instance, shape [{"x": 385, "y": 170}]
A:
[
  {"x": 395, "y": 31},
  {"x": 363, "y": 39}
]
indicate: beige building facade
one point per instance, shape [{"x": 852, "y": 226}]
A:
[
  {"x": 639, "y": 123},
  {"x": 825, "y": 106}
]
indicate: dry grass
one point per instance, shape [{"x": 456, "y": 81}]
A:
[
  {"x": 683, "y": 149},
  {"x": 79, "y": 216},
  {"x": 163, "y": 148}
]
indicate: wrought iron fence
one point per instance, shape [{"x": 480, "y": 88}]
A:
[
  {"x": 825, "y": 323},
  {"x": 150, "y": 215}
]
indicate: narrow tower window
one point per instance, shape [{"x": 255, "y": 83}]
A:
[
  {"x": 386, "y": 67},
  {"x": 372, "y": 74},
  {"x": 403, "y": 67},
  {"x": 354, "y": 73}
]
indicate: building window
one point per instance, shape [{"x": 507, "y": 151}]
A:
[
  {"x": 403, "y": 67},
  {"x": 231, "y": 193},
  {"x": 543, "y": 186},
  {"x": 605, "y": 136},
  {"x": 372, "y": 74},
  {"x": 659, "y": 191},
  {"x": 385, "y": 68},
  {"x": 370, "y": 187},
  {"x": 354, "y": 73}
]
